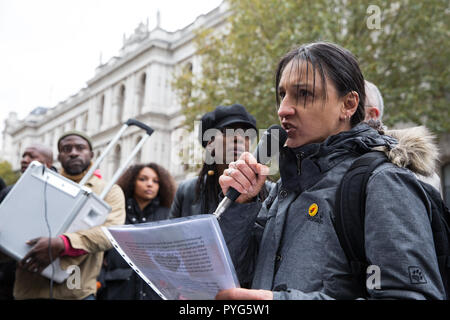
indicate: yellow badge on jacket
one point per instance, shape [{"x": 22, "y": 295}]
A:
[{"x": 312, "y": 211}]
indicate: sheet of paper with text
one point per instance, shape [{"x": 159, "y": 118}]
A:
[{"x": 183, "y": 258}]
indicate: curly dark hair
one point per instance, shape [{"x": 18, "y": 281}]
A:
[{"x": 167, "y": 184}]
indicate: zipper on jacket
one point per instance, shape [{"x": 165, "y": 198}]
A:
[{"x": 300, "y": 157}]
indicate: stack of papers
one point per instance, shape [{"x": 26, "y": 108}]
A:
[{"x": 183, "y": 258}]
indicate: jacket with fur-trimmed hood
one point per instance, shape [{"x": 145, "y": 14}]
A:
[
  {"x": 416, "y": 150},
  {"x": 288, "y": 243}
]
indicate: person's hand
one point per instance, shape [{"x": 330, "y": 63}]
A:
[
  {"x": 245, "y": 175},
  {"x": 37, "y": 259},
  {"x": 244, "y": 294}
]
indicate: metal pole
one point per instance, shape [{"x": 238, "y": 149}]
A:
[
  {"x": 123, "y": 167},
  {"x": 97, "y": 162}
]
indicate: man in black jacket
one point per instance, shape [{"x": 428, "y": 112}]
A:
[{"x": 234, "y": 127}]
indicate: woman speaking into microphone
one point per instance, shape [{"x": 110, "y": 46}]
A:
[{"x": 287, "y": 246}]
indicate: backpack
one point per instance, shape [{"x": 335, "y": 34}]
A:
[{"x": 350, "y": 213}]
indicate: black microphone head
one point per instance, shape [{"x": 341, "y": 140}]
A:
[
  {"x": 270, "y": 143},
  {"x": 279, "y": 133}
]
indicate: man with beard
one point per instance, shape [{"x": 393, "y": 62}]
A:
[{"x": 83, "y": 248}]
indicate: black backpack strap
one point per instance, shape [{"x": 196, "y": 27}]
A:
[
  {"x": 350, "y": 210},
  {"x": 350, "y": 216},
  {"x": 440, "y": 225}
]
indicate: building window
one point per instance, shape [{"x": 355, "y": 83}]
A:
[
  {"x": 141, "y": 93},
  {"x": 19, "y": 152},
  {"x": 189, "y": 72},
  {"x": 116, "y": 159},
  {"x": 121, "y": 103},
  {"x": 446, "y": 183},
  {"x": 51, "y": 138},
  {"x": 84, "y": 124},
  {"x": 138, "y": 157},
  {"x": 100, "y": 110}
]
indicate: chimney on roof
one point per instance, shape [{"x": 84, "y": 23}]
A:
[{"x": 158, "y": 19}]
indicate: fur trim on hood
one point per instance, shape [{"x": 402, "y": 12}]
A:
[{"x": 416, "y": 150}]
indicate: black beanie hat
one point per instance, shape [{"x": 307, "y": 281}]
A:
[{"x": 224, "y": 116}]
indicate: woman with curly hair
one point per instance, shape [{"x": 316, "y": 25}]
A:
[{"x": 149, "y": 191}]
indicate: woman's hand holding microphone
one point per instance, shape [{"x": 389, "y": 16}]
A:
[{"x": 245, "y": 175}]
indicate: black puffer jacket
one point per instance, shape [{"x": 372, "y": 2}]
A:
[
  {"x": 188, "y": 203},
  {"x": 118, "y": 279}
]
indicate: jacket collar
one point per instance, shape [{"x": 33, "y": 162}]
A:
[
  {"x": 312, "y": 160},
  {"x": 134, "y": 211}
]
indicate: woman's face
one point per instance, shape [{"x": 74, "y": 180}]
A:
[
  {"x": 311, "y": 121},
  {"x": 147, "y": 184}
]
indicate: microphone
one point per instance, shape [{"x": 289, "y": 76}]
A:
[{"x": 271, "y": 136}]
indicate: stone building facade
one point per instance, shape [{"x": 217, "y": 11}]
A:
[
  {"x": 137, "y": 84},
  {"x": 134, "y": 84}
]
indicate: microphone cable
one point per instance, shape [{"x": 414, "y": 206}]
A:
[{"x": 49, "y": 231}]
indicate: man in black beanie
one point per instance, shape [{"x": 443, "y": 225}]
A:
[{"x": 225, "y": 134}]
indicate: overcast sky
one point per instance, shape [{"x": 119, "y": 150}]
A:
[{"x": 50, "y": 48}]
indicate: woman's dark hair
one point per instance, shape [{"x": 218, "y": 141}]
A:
[
  {"x": 332, "y": 61},
  {"x": 167, "y": 186}
]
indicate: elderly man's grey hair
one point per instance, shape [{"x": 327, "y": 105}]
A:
[{"x": 374, "y": 98}]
